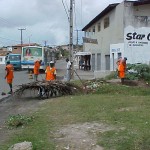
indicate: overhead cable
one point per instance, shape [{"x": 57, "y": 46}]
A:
[{"x": 65, "y": 10}]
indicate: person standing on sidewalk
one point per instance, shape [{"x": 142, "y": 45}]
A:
[
  {"x": 68, "y": 73},
  {"x": 9, "y": 75},
  {"x": 36, "y": 69},
  {"x": 50, "y": 72},
  {"x": 118, "y": 63},
  {"x": 122, "y": 69}
]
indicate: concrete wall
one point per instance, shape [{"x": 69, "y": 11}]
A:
[{"x": 137, "y": 33}]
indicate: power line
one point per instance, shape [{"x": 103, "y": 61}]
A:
[
  {"x": 65, "y": 10},
  {"x": 75, "y": 17},
  {"x": 7, "y": 21},
  {"x": 77, "y": 37},
  {"x": 8, "y": 39},
  {"x": 81, "y": 13},
  {"x": 67, "y": 6}
]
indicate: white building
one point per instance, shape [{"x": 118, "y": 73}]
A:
[
  {"x": 2, "y": 59},
  {"x": 121, "y": 29}
]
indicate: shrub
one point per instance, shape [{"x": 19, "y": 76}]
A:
[{"x": 138, "y": 71}]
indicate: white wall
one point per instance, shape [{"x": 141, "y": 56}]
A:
[
  {"x": 2, "y": 59},
  {"x": 114, "y": 50},
  {"x": 110, "y": 35},
  {"x": 137, "y": 44}
]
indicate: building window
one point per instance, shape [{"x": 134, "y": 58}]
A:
[
  {"x": 99, "y": 27},
  {"x": 89, "y": 32},
  {"x": 1, "y": 59},
  {"x": 119, "y": 55},
  {"x": 85, "y": 33},
  {"x": 106, "y": 22},
  {"x": 94, "y": 30}
]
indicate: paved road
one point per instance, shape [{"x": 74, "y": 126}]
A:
[{"x": 22, "y": 77}]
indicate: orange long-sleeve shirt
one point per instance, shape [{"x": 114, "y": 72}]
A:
[{"x": 37, "y": 65}]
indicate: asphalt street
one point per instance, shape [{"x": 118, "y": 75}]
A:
[{"x": 22, "y": 77}]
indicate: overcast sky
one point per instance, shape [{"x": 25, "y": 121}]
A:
[{"x": 45, "y": 20}]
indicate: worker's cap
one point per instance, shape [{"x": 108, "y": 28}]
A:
[
  {"x": 51, "y": 62},
  {"x": 125, "y": 58},
  {"x": 67, "y": 59}
]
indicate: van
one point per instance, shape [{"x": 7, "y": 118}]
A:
[{"x": 15, "y": 60}]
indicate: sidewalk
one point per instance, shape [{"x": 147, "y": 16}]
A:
[
  {"x": 78, "y": 74},
  {"x": 84, "y": 75}
]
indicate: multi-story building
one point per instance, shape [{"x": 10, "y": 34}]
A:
[{"x": 121, "y": 29}]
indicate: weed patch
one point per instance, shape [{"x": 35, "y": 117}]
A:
[{"x": 15, "y": 121}]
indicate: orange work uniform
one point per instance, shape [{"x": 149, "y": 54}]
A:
[
  {"x": 122, "y": 69},
  {"x": 10, "y": 73},
  {"x": 36, "y": 67},
  {"x": 50, "y": 73}
]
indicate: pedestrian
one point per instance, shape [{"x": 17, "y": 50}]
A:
[
  {"x": 9, "y": 75},
  {"x": 122, "y": 69},
  {"x": 36, "y": 69},
  {"x": 118, "y": 63},
  {"x": 68, "y": 73},
  {"x": 50, "y": 72},
  {"x": 81, "y": 63}
]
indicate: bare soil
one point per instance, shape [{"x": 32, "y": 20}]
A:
[{"x": 80, "y": 136}]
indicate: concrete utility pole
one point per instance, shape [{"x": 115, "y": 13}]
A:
[
  {"x": 71, "y": 37},
  {"x": 21, "y": 29}
]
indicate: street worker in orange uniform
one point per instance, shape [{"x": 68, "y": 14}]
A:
[
  {"x": 36, "y": 69},
  {"x": 118, "y": 63},
  {"x": 50, "y": 72},
  {"x": 9, "y": 75},
  {"x": 122, "y": 69}
]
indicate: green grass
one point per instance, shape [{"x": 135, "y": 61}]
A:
[{"x": 125, "y": 108}]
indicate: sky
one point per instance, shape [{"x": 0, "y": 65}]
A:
[{"x": 46, "y": 21}]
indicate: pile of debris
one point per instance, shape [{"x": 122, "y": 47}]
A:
[{"x": 47, "y": 89}]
